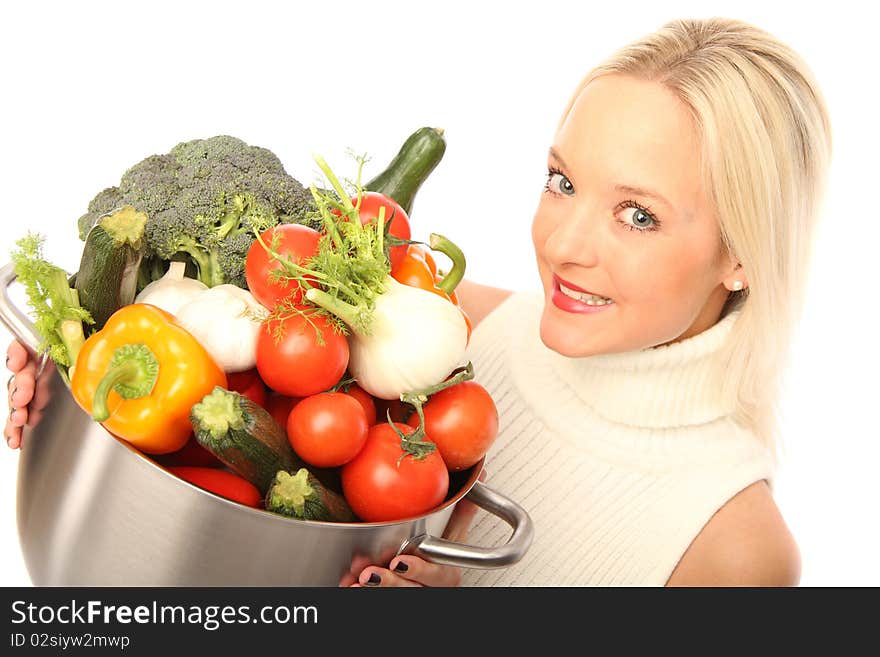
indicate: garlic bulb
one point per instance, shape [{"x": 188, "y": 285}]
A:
[
  {"x": 226, "y": 320},
  {"x": 173, "y": 291}
]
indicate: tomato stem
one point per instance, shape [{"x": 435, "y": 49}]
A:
[
  {"x": 412, "y": 444},
  {"x": 418, "y": 398}
]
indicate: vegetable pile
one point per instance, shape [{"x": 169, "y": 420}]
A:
[{"x": 291, "y": 349}]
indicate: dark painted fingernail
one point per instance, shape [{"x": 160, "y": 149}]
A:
[
  {"x": 374, "y": 580},
  {"x": 401, "y": 567},
  {"x": 12, "y": 396}
]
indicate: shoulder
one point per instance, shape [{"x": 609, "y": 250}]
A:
[
  {"x": 480, "y": 300},
  {"x": 746, "y": 543}
]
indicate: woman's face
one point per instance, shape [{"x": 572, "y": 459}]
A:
[{"x": 627, "y": 244}]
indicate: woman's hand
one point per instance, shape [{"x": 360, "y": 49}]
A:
[
  {"x": 21, "y": 390},
  {"x": 409, "y": 570}
]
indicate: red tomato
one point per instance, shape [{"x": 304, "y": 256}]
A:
[
  {"x": 327, "y": 430},
  {"x": 381, "y": 486},
  {"x": 296, "y": 365},
  {"x": 295, "y": 242},
  {"x": 279, "y": 406},
  {"x": 248, "y": 384},
  {"x": 369, "y": 212},
  {"x": 365, "y": 400},
  {"x": 462, "y": 421},
  {"x": 222, "y": 483}
]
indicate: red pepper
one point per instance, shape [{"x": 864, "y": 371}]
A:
[{"x": 418, "y": 269}]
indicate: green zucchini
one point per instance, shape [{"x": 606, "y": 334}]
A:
[
  {"x": 244, "y": 436},
  {"x": 108, "y": 270},
  {"x": 417, "y": 158},
  {"x": 302, "y": 496}
]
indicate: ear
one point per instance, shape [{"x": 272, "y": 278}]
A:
[{"x": 735, "y": 279}]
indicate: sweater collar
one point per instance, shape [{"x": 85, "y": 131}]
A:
[{"x": 660, "y": 387}]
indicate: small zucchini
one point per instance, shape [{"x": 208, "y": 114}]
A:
[
  {"x": 108, "y": 270},
  {"x": 417, "y": 158},
  {"x": 302, "y": 496},
  {"x": 244, "y": 436}
]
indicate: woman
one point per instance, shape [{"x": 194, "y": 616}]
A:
[{"x": 637, "y": 395}]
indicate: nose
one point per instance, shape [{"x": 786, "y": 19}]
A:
[{"x": 574, "y": 240}]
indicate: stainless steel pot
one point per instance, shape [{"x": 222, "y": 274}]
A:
[{"x": 94, "y": 511}]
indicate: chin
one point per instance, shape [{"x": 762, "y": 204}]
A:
[{"x": 568, "y": 339}]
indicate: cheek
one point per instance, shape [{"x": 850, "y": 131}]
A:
[
  {"x": 540, "y": 230},
  {"x": 656, "y": 276}
]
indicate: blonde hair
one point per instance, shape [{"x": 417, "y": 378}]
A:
[{"x": 766, "y": 143}]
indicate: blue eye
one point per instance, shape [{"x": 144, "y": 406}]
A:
[
  {"x": 557, "y": 183},
  {"x": 641, "y": 219},
  {"x": 635, "y": 217}
]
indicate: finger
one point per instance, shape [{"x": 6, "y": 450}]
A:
[
  {"x": 18, "y": 417},
  {"x": 358, "y": 563},
  {"x": 29, "y": 367},
  {"x": 16, "y": 356},
  {"x": 22, "y": 388},
  {"x": 377, "y": 577},
  {"x": 411, "y": 568},
  {"x": 13, "y": 435}
]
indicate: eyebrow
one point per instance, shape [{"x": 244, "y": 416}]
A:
[
  {"x": 555, "y": 155},
  {"x": 624, "y": 189},
  {"x": 638, "y": 191}
]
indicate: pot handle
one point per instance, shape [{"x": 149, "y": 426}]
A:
[
  {"x": 450, "y": 553},
  {"x": 14, "y": 319}
]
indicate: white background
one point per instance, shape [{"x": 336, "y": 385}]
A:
[{"x": 89, "y": 89}]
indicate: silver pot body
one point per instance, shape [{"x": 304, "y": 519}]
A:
[{"x": 93, "y": 511}]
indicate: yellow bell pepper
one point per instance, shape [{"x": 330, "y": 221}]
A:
[{"x": 140, "y": 375}]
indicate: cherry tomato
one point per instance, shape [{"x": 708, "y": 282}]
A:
[
  {"x": 380, "y": 486},
  {"x": 248, "y": 384},
  {"x": 400, "y": 228},
  {"x": 295, "y": 242},
  {"x": 365, "y": 400},
  {"x": 327, "y": 430},
  {"x": 222, "y": 483},
  {"x": 462, "y": 421},
  {"x": 294, "y": 364},
  {"x": 279, "y": 406}
]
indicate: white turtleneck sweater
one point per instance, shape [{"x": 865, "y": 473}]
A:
[{"x": 619, "y": 459}]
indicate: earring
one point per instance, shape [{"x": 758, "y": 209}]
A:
[{"x": 737, "y": 286}]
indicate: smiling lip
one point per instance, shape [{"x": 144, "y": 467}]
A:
[
  {"x": 571, "y": 286},
  {"x": 567, "y": 304}
]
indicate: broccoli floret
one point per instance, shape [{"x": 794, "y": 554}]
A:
[
  {"x": 104, "y": 203},
  {"x": 204, "y": 199}
]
